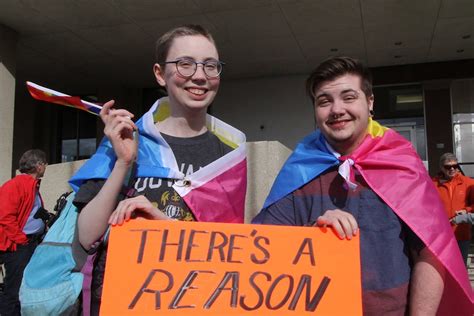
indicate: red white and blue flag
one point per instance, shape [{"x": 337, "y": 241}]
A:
[{"x": 44, "y": 94}]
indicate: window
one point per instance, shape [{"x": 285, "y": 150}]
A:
[
  {"x": 77, "y": 133},
  {"x": 462, "y": 96},
  {"x": 463, "y": 133},
  {"x": 401, "y": 108}
]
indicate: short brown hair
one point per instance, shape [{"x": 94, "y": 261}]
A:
[
  {"x": 335, "y": 67},
  {"x": 164, "y": 43},
  {"x": 30, "y": 159}
]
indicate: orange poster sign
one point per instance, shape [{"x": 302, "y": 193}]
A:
[{"x": 183, "y": 268}]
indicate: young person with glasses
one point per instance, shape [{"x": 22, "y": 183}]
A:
[
  {"x": 457, "y": 193},
  {"x": 180, "y": 147}
]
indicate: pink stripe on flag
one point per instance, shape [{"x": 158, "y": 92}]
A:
[
  {"x": 221, "y": 199},
  {"x": 394, "y": 171}
]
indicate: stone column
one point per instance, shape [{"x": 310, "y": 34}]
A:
[{"x": 8, "y": 43}]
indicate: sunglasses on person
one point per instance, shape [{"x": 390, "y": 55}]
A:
[{"x": 449, "y": 167}]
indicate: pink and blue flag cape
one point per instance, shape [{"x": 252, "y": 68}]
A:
[
  {"x": 391, "y": 167},
  {"x": 215, "y": 193}
]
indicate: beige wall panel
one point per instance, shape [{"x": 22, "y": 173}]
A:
[
  {"x": 7, "y": 99},
  {"x": 264, "y": 161},
  {"x": 55, "y": 181}
]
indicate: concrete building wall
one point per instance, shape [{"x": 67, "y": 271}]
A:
[
  {"x": 55, "y": 181},
  {"x": 264, "y": 161},
  {"x": 8, "y": 42},
  {"x": 267, "y": 109}
]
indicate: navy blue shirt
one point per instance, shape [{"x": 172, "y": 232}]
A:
[{"x": 385, "y": 240}]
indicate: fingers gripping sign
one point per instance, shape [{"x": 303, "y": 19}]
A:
[
  {"x": 343, "y": 223},
  {"x": 138, "y": 206},
  {"x": 119, "y": 129}
]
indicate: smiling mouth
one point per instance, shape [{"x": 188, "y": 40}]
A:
[
  {"x": 338, "y": 123},
  {"x": 196, "y": 91}
]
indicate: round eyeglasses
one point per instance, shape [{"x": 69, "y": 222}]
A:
[{"x": 187, "y": 67}]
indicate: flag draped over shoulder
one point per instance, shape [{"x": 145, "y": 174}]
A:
[
  {"x": 391, "y": 168},
  {"x": 215, "y": 193}
]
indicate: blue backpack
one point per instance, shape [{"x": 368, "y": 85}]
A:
[{"x": 50, "y": 286}]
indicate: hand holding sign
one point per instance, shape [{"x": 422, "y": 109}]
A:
[
  {"x": 343, "y": 223},
  {"x": 139, "y": 206}
]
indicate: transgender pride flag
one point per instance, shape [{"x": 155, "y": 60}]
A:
[{"x": 215, "y": 193}]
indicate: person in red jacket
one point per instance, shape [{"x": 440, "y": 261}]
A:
[
  {"x": 457, "y": 193},
  {"x": 20, "y": 229}
]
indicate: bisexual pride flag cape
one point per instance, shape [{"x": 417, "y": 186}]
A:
[
  {"x": 215, "y": 193},
  {"x": 391, "y": 167}
]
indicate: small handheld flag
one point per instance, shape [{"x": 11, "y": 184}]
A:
[{"x": 44, "y": 94}]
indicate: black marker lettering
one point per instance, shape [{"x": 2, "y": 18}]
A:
[
  {"x": 309, "y": 243},
  {"x": 141, "y": 249},
  {"x": 232, "y": 246},
  {"x": 191, "y": 245},
  {"x": 219, "y": 246},
  {"x": 144, "y": 288},
  {"x": 272, "y": 288},
  {"x": 257, "y": 289},
  {"x": 256, "y": 242},
  {"x": 234, "y": 276},
  {"x": 310, "y": 303},
  {"x": 165, "y": 244},
  {"x": 184, "y": 287}
]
